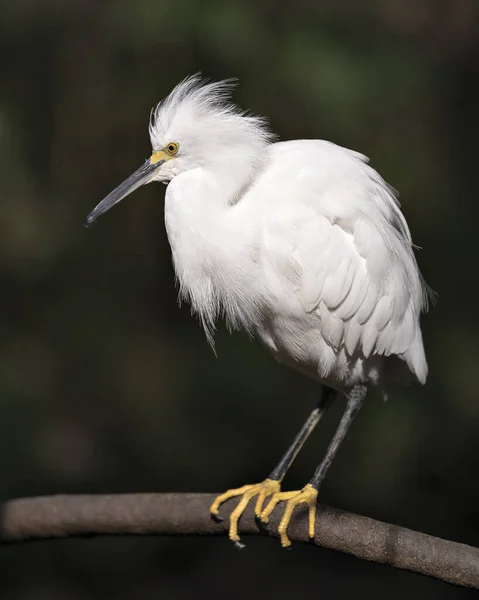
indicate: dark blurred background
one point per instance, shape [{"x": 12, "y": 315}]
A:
[{"x": 107, "y": 386}]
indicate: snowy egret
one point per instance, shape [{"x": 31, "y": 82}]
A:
[{"x": 302, "y": 244}]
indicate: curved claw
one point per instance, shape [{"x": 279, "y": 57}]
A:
[{"x": 216, "y": 517}]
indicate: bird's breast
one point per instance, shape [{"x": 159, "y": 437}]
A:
[{"x": 215, "y": 258}]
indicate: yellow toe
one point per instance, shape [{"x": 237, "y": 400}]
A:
[
  {"x": 308, "y": 495},
  {"x": 262, "y": 490},
  {"x": 274, "y": 500},
  {"x": 214, "y": 508}
]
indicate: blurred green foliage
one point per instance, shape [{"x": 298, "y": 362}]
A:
[{"x": 106, "y": 386}]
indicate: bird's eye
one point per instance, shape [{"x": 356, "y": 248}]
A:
[{"x": 172, "y": 148}]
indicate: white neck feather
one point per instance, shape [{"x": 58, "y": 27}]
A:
[
  {"x": 202, "y": 215},
  {"x": 221, "y": 152}
]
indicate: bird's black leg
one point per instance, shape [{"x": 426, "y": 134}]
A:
[
  {"x": 355, "y": 399},
  {"x": 271, "y": 486},
  {"x": 327, "y": 396},
  {"x": 308, "y": 495}
]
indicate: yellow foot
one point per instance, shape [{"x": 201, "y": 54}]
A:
[
  {"x": 267, "y": 488},
  {"x": 308, "y": 495}
]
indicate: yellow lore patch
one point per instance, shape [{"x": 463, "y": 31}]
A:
[{"x": 156, "y": 157}]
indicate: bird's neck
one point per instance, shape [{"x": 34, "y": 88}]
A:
[
  {"x": 197, "y": 204},
  {"x": 203, "y": 223}
]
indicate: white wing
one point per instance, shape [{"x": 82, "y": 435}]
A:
[{"x": 350, "y": 253}]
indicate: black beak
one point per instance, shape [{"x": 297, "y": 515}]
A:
[{"x": 138, "y": 178}]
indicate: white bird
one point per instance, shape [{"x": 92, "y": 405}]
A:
[{"x": 302, "y": 244}]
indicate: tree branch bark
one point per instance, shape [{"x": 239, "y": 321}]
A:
[{"x": 188, "y": 514}]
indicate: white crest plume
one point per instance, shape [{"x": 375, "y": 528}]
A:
[{"x": 200, "y": 113}]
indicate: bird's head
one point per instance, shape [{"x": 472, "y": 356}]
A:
[{"x": 196, "y": 126}]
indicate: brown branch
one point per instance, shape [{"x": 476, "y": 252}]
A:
[{"x": 187, "y": 514}]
